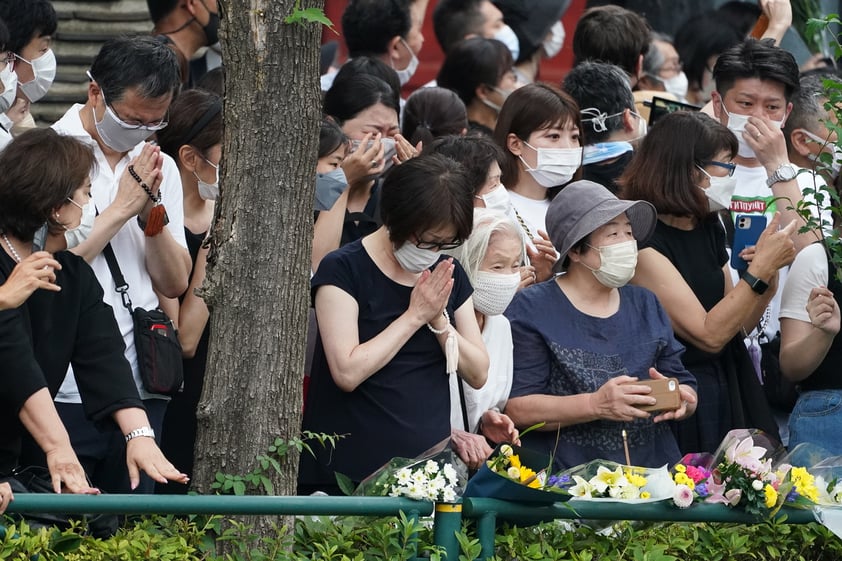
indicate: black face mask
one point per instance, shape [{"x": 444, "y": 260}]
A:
[
  {"x": 607, "y": 173},
  {"x": 212, "y": 28}
]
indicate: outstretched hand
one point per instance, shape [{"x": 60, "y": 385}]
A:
[{"x": 143, "y": 454}]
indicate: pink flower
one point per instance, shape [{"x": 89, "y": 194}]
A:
[
  {"x": 682, "y": 496},
  {"x": 716, "y": 491},
  {"x": 746, "y": 454},
  {"x": 697, "y": 474}
]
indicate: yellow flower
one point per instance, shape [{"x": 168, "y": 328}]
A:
[
  {"x": 515, "y": 460},
  {"x": 645, "y": 495},
  {"x": 525, "y": 473},
  {"x": 805, "y": 484},
  {"x": 684, "y": 479},
  {"x": 771, "y": 496},
  {"x": 680, "y": 468},
  {"x": 636, "y": 480},
  {"x": 606, "y": 478}
]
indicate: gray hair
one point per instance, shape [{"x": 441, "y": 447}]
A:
[{"x": 487, "y": 223}]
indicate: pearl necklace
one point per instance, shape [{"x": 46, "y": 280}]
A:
[{"x": 12, "y": 248}]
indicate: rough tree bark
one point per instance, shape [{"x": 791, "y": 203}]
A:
[{"x": 258, "y": 270}]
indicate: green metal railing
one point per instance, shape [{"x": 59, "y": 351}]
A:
[{"x": 447, "y": 517}]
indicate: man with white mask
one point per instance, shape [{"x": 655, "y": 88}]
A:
[
  {"x": 133, "y": 80},
  {"x": 807, "y": 135},
  {"x": 755, "y": 85},
  {"x": 611, "y": 127},
  {"x": 387, "y": 29},
  {"x": 454, "y": 20},
  {"x": 662, "y": 71}
]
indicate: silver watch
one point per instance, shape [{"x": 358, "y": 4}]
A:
[
  {"x": 785, "y": 172},
  {"x": 141, "y": 431}
]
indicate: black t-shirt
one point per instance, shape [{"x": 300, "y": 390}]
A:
[
  {"x": 699, "y": 256},
  {"x": 402, "y": 409}
]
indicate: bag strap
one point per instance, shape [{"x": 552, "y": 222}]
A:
[
  {"x": 464, "y": 406},
  {"x": 120, "y": 284}
]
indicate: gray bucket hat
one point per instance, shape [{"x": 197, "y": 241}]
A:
[{"x": 583, "y": 206}]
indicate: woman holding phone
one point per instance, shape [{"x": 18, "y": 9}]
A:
[{"x": 684, "y": 168}]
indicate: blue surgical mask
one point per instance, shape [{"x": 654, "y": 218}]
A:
[{"x": 329, "y": 187}]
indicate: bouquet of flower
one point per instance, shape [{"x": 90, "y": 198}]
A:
[
  {"x": 743, "y": 476},
  {"x": 437, "y": 475},
  {"x": 516, "y": 474},
  {"x": 602, "y": 479}
]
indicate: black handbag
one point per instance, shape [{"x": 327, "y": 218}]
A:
[{"x": 155, "y": 338}]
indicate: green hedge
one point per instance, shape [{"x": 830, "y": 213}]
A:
[{"x": 173, "y": 538}]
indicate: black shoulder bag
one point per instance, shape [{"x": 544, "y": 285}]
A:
[{"x": 155, "y": 339}]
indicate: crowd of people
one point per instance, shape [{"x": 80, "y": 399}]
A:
[{"x": 491, "y": 253}]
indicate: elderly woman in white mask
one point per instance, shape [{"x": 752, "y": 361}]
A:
[
  {"x": 491, "y": 257},
  {"x": 584, "y": 340}
]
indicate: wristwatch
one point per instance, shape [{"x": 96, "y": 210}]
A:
[
  {"x": 140, "y": 431},
  {"x": 755, "y": 283},
  {"x": 785, "y": 172}
]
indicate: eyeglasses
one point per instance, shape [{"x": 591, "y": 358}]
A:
[
  {"x": 727, "y": 165},
  {"x": 437, "y": 246},
  {"x": 152, "y": 127}
]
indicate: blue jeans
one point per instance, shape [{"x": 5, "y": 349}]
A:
[{"x": 817, "y": 419}]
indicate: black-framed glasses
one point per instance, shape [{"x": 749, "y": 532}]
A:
[
  {"x": 152, "y": 127},
  {"x": 731, "y": 167},
  {"x": 437, "y": 246}
]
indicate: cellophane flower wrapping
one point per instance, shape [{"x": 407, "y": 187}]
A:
[
  {"x": 610, "y": 481},
  {"x": 436, "y": 475}
]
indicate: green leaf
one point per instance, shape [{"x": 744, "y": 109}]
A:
[
  {"x": 345, "y": 484},
  {"x": 239, "y": 488}
]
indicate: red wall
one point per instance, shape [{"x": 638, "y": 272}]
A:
[{"x": 431, "y": 56}]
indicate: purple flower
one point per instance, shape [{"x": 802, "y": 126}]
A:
[
  {"x": 559, "y": 480},
  {"x": 702, "y": 490},
  {"x": 793, "y": 494}
]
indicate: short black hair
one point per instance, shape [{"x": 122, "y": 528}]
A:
[
  {"x": 39, "y": 170},
  {"x": 756, "y": 59},
  {"x": 369, "y": 25},
  {"x": 374, "y": 67},
  {"x": 351, "y": 95},
  {"x": 474, "y": 62},
  {"x": 431, "y": 113},
  {"x": 740, "y": 15},
  {"x": 27, "y": 19},
  {"x": 476, "y": 153},
  {"x": 331, "y": 137},
  {"x": 4, "y": 36},
  {"x": 611, "y": 34},
  {"x": 141, "y": 61},
  {"x": 213, "y": 81},
  {"x": 700, "y": 38},
  {"x": 186, "y": 112},
  {"x": 159, "y": 9},
  {"x": 453, "y": 20},
  {"x": 599, "y": 89},
  {"x": 425, "y": 193}
]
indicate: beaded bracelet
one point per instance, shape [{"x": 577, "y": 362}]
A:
[{"x": 440, "y": 331}]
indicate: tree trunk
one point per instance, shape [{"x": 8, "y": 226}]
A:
[{"x": 258, "y": 270}]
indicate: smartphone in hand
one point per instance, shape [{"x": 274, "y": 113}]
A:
[
  {"x": 665, "y": 391},
  {"x": 747, "y": 230}
]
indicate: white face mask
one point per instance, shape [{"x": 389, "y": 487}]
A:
[
  {"x": 552, "y": 45},
  {"x": 407, "y": 73},
  {"x": 497, "y": 199},
  {"x": 494, "y": 291},
  {"x": 117, "y": 135},
  {"x": 677, "y": 85},
  {"x": 503, "y": 93},
  {"x": 617, "y": 263},
  {"x": 80, "y": 233},
  {"x": 209, "y": 191},
  {"x": 414, "y": 259},
  {"x": 737, "y": 125},
  {"x": 836, "y": 164},
  {"x": 555, "y": 166},
  {"x": 389, "y": 150},
  {"x": 720, "y": 191},
  {"x": 508, "y": 37},
  {"x": 9, "y": 79},
  {"x": 44, "y": 72},
  {"x": 642, "y": 127}
]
